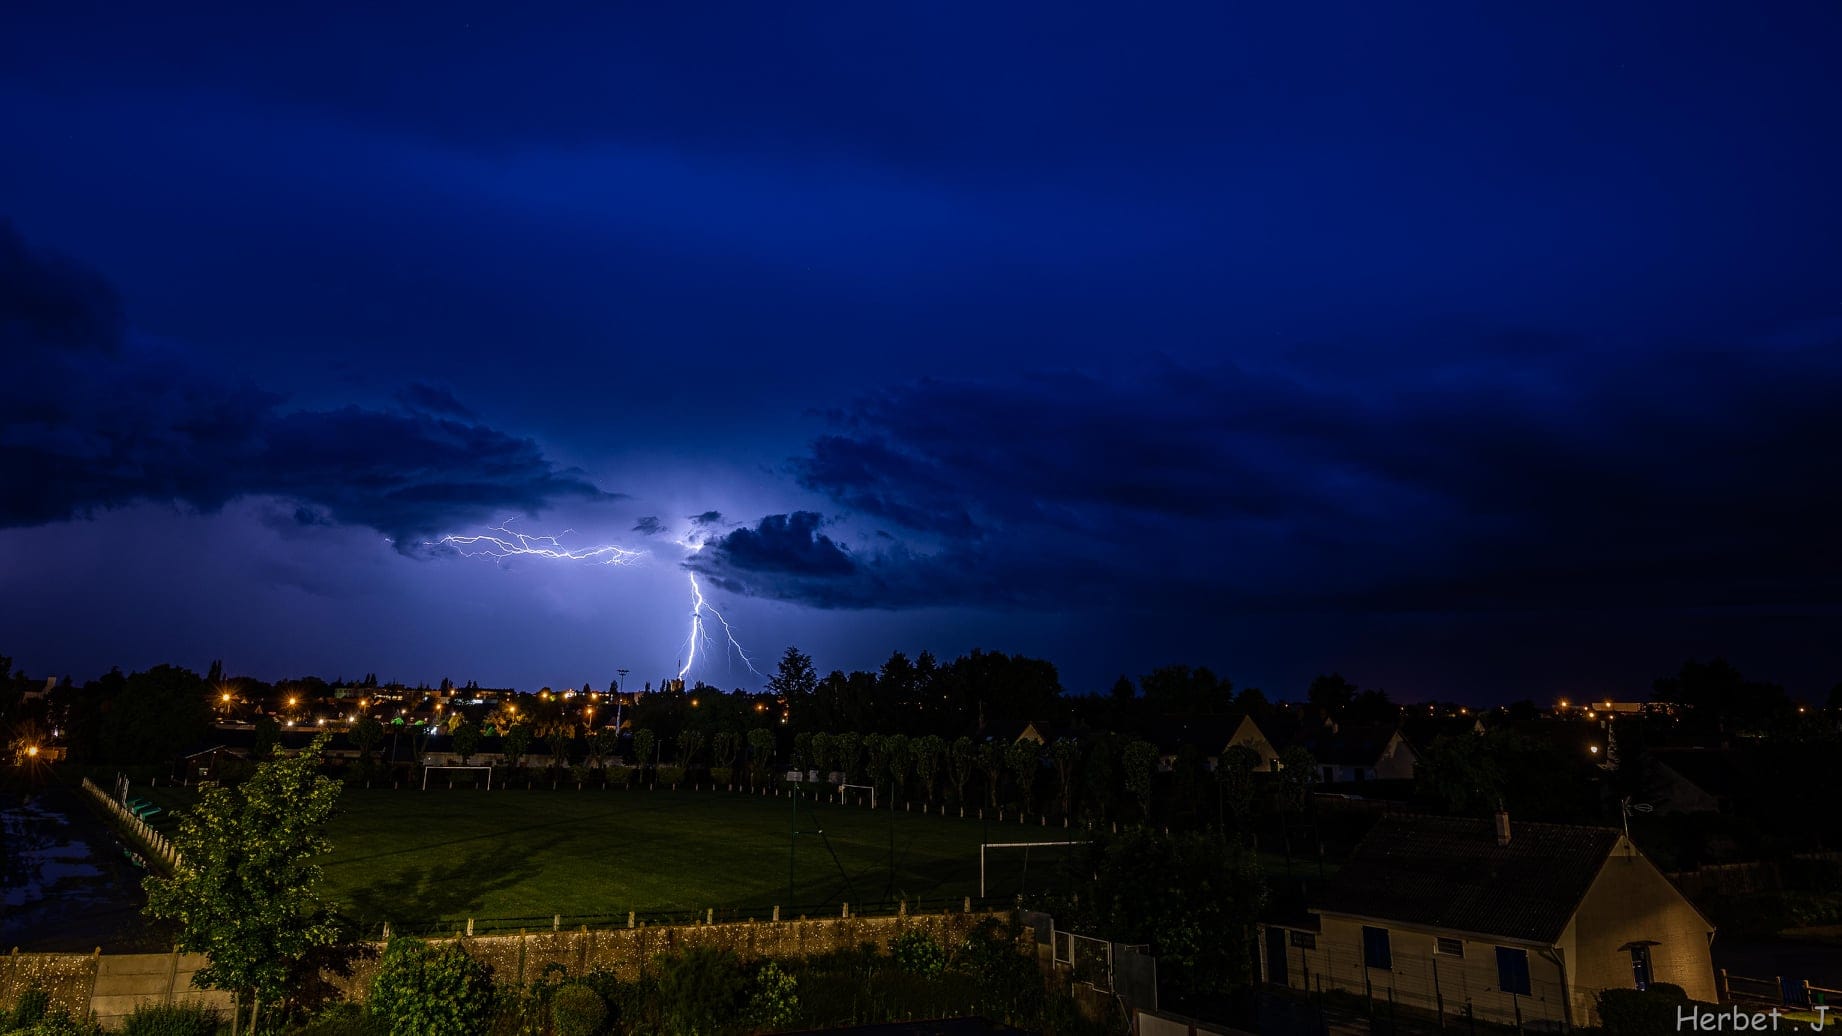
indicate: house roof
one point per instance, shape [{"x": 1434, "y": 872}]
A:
[
  {"x": 1449, "y": 872},
  {"x": 1351, "y": 746},
  {"x": 1714, "y": 771}
]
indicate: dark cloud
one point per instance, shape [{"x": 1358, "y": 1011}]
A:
[
  {"x": 1693, "y": 477},
  {"x": 707, "y": 519},
  {"x": 90, "y": 422},
  {"x": 650, "y": 525},
  {"x": 432, "y": 399}
]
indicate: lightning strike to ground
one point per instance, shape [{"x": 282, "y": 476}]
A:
[{"x": 504, "y": 542}]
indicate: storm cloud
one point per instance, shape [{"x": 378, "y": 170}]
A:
[{"x": 92, "y": 420}]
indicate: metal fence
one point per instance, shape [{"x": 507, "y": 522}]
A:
[{"x": 656, "y": 916}]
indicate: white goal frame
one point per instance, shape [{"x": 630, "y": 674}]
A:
[
  {"x": 1012, "y": 845},
  {"x": 426, "y": 769},
  {"x": 871, "y": 788}
]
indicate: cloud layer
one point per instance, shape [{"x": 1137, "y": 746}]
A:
[{"x": 90, "y": 420}]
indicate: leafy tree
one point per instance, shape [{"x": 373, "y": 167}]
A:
[
  {"x": 516, "y": 743},
  {"x": 690, "y": 744},
  {"x": 1234, "y": 776},
  {"x": 962, "y": 758},
  {"x": 466, "y": 739},
  {"x": 421, "y": 990},
  {"x": 601, "y": 746},
  {"x": 245, "y": 895},
  {"x": 761, "y": 754},
  {"x": 899, "y": 760},
  {"x": 1198, "y": 915},
  {"x": 367, "y": 733},
  {"x": 1461, "y": 773},
  {"x": 1372, "y": 707},
  {"x": 849, "y": 746},
  {"x": 1331, "y": 692},
  {"x": 268, "y": 735},
  {"x": 558, "y": 737},
  {"x": 1298, "y": 771},
  {"x": 724, "y": 748},
  {"x": 1714, "y": 696},
  {"x": 700, "y": 990},
  {"x": 876, "y": 757},
  {"x": 1066, "y": 754},
  {"x": 1178, "y": 690},
  {"x": 1100, "y": 772},
  {"x": 991, "y": 760},
  {"x": 928, "y": 751},
  {"x": 822, "y": 752},
  {"x": 1024, "y": 758},
  {"x": 160, "y": 713},
  {"x": 773, "y": 1000},
  {"x": 1139, "y": 761}
]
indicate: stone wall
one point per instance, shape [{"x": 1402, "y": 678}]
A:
[{"x": 112, "y": 985}]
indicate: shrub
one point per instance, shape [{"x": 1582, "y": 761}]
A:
[
  {"x": 699, "y": 991},
  {"x": 915, "y": 951},
  {"x": 1628, "y": 1012},
  {"x": 425, "y": 991},
  {"x": 32, "y": 1005},
  {"x": 185, "y": 1019},
  {"x": 722, "y": 775},
  {"x": 774, "y": 1001},
  {"x": 58, "y": 1022},
  {"x": 670, "y": 774},
  {"x": 616, "y": 775},
  {"x": 347, "y": 1019},
  {"x": 576, "y": 1010}
]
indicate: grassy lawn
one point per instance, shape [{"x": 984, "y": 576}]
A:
[{"x": 414, "y": 857}]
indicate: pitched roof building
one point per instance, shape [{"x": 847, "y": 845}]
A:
[{"x": 1511, "y": 923}]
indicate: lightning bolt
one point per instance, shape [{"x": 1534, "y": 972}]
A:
[
  {"x": 700, "y": 635},
  {"x": 513, "y": 544},
  {"x": 502, "y": 541}
]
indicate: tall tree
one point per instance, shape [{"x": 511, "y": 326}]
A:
[
  {"x": 962, "y": 758},
  {"x": 991, "y": 760},
  {"x": 1066, "y": 753},
  {"x": 1024, "y": 758},
  {"x": 1331, "y": 692},
  {"x": 927, "y": 753},
  {"x": 796, "y": 682},
  {"x": 246, "y": 894},
  {"x": 160, "y": 713},
  {"x": 1139, "y": 762}
]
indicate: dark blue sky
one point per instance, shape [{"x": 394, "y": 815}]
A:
[{"x": 1472, "y": 351}]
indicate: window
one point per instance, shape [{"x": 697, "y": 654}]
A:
[
  {"x": 1513, "y": 970},
  {"x": 1305, "y": 940},
  {"x": 1449, "y": 947},
  {"x": 1375, "y": 949},
  {"x": 1640, "y": 965}
]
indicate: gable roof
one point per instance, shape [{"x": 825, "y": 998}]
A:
[
  {"x": 1351, "y": 746},
  {"x": 1449, "y": 872}
]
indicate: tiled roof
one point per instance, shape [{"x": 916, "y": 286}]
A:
[{"x": 1449, "y": 872}]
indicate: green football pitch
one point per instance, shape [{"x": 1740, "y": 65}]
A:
[{"x": 418, "y": 858}]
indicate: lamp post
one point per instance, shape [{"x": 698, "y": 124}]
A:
[{"x": 619, "y": 689}]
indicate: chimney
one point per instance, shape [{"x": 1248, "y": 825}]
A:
[{"x": 1502, "y": 827}]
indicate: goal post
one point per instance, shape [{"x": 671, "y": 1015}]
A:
[
  {"x": 871, "y": 788},
  {"x": 1013, "y": 845},
  {"x": 426, "y": 770}
]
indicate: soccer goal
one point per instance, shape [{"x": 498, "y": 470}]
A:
[
  {"x": 426, "y": 770},
  {"x": 871, "y": 788},
  {"x": 1025, "y": 846}
]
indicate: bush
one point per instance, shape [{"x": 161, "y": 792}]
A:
[
  {"x": 185, "y": 1019},
  {"x": 617, "y": 776},
  {"x": 58, "y": 1022},
  {"x": 722, "y": 775},
  {"x": 576, "y": 1010},
  {"x": 1628, "y": 1012},
  {"x": 672, "y": 775},
  {"x": 774, "y": 1001},
  {"x": 424, "y": 991},
  {"x": 915, "y": 951},
  {"x": 700, "y": 991},
  {"x": 31, "y": 1008},
  {"x": 345, "y": 1019}
]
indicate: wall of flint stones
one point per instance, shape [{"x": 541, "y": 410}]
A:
[{"x": 111, "y": 985}]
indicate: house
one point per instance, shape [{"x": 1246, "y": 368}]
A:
[
  {"x": 204, "y": 764},
  {"x": 1516, "y": 924},
  {"x": 1695, "y": 780},
  {"x": 1348, "y": 754}
]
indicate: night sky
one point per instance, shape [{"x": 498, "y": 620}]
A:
[{"x": 1475, "y": 351}]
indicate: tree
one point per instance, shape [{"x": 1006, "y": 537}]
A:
[
  {"x": 558, "y": 737},
  {"x": 849, "y": 746},
  {"x": 1178, "y": 690},
  {"x": 690, "y": 744},
  {"x": 467, "y": 739},
  {"x": 962, "y": 757},
  {"x": 160, "y": 713},
  {"x": 724, "y": 748},
  {"x": 644, "y": 744},
  {"x": 268, "y": 735},
  {"x": 517, "y": 742},
  {"x": 1025, "y": 761},
  {"x": 366, "y": 735},
  {"x": 898, "y": 759},
  {"x": 991, "y": 760},
  {"x": 1139, "y": 760},
  {"x": 601, "y": 745},
  {"x": 761, "y": 754},
  {"x": 822, "y": 753},
  {"x": 1461, "y": 773},
  {"x": 1298, "y": 771},
  {"x": 927, "y": 753},
  {"x": 245, "y": 894},
  {"x": 796, "y": 683},
  {"x": 1331, "y": 692},
  {"x": 1234, "y": 777},
  {"x": 423, "y": 990},
  {"x": 1066, "y": 753}
]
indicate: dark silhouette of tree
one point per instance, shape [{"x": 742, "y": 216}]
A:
[
  {"x": 1331, "y": 692},
  {"x": 160, "y": 713},
  {"x": 797, "y": 683}
]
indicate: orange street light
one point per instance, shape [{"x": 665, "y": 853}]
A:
[
  {"x": 1594, "y": 749},
  {"x": 32, "y": 751}
]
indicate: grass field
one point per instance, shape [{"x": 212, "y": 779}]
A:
[{"x": 414, "y": 858}]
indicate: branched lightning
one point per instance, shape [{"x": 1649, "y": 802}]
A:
[
  {"x": 504, "y": 542},
  {"x": 699, "y": 634},
  {"x": 508, "y": 543}
]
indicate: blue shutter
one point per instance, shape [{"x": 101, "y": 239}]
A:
[{"x": 1513, "y": 970}]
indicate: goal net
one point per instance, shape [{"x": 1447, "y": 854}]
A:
[
  {"x": 871, "y": 788},
  {"x": 1046, "y": 861},
  {"x": 426, "y": 770}
]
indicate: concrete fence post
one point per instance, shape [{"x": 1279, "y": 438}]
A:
[
  {"x": 629, "y": 919},
  {"x": 776, "y": 913},
  {"x": 470, "y": 928}
]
